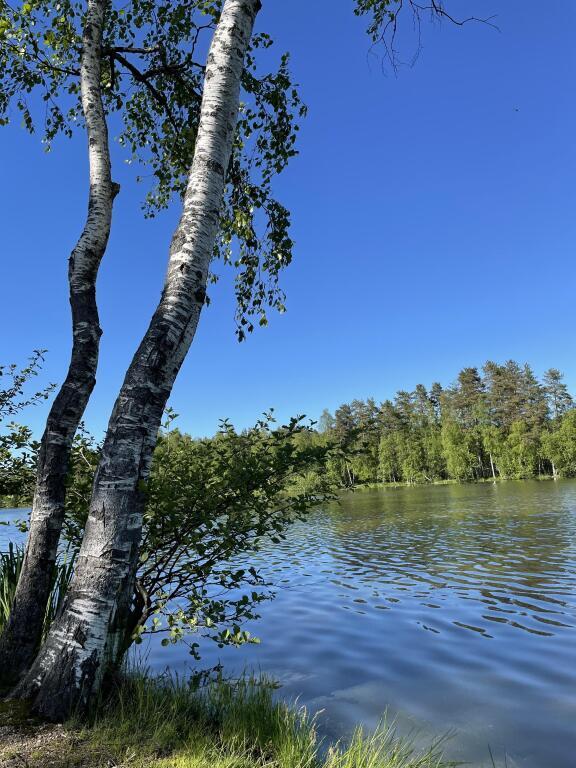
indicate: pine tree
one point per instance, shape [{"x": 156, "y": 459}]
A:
[{"x": 558, "y": 398}]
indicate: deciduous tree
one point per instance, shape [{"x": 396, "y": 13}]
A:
[
  {"x": 138, "y": 61},
  {"x": 90, "y": 627},
  {"x": 27, "y": 67}
]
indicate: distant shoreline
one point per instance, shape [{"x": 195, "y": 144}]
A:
[
  {"x": 7, "y": 503},
  {"x": 479, "y": 481}
]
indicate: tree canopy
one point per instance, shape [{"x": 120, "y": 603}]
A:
[
  {"x": 500, "y": 421},
  {"x": 152, "y": 90}
]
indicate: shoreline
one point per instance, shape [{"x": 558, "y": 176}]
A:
[
  {"x": 9, "y": 502},
  {"x": 427, "y": 484},
  {"x": 151, "y": 722},
  {"x": 383, "y": 486}
]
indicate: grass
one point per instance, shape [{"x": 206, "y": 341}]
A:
[
  {"x": 10, "y": 567},
  {"x": 223, "y": 723},
  {"x": 165, "y": 723}
]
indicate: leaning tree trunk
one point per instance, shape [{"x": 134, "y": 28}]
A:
[
  {"x": 492, "y": 467},
  {"x": 82, "y": 640},
  {"x": 22, "y": 634}
]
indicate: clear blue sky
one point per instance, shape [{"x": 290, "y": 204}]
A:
[{"x": 434, "y": 219}]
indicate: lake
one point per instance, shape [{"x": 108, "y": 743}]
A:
[{"x": 451, "y": 607}]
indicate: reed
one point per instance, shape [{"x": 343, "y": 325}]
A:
[{"x": 10, "y": 567}]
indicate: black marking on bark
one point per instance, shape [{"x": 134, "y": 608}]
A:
[
  {"x": 80, "y": 636},
  {"x": 200, "y": 295},
  {"x": 100, "y": 513},
  {"x": 178, "y": 241},
  {"x": 214, "y": 166}
]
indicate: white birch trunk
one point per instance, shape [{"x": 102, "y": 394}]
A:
[
  {"x": 73, "y": 659},
  {"x": 21, "y": 637}
]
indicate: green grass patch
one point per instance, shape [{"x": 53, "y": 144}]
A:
[{"x": 165, "y": 723}]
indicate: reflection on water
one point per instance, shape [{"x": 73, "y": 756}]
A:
[{"x": 453, "y": 607}]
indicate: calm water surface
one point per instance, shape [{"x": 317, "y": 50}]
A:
[{"x": 451, "y": 607}]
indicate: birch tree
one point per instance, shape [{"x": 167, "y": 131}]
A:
[
  {"x": 139, "y": 62},
  {"x": 72, "y": 660},
  {"x": 88, "y": 633}
]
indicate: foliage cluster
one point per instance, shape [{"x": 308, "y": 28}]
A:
[
  {"x": 383, "y": 23},
  {"x": 152, "y": 90},
  {"x": 17, "y": 447},
  {"x": 210, "y": 504},
  {"x": 501, "y": 422}
]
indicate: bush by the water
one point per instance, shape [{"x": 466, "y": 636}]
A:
[{"x": 210, "y": 504}]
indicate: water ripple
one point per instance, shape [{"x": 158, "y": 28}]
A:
[{"x": 452, "y": 607}]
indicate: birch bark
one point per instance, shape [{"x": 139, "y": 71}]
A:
[
  {"x": 21, "y": 637},
  {"x": 85, "y": 636}
]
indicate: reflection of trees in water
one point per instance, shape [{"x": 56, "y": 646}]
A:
[{"x": 507, "y": 547}]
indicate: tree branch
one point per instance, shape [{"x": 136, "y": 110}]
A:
[{"x": 142, "y": 78}]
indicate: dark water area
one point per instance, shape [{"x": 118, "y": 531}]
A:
[{"x": 453, "y": 608}]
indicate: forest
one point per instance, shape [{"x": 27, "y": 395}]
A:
[{"x": 497, "y": 422}]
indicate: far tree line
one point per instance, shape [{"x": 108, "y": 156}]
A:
[
  {"x": 497, "y": 422},
  {"x": 500, "y": 421}
]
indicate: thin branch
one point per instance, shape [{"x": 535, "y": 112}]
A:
[
  {"x": 131, "y": 49},
  {"x": 141, "y": 78},
  {"x": 441, "y": 11}
]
